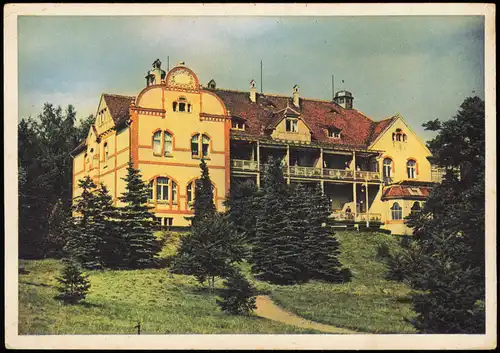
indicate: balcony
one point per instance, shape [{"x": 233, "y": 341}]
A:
[
  {"x": 310, "y": 172},
  {"x": 360, "y": 217},
  {"x": 244, "y": 165},
  {"x": 339, "y": 174},
  {"x": 367, "y": 175}
]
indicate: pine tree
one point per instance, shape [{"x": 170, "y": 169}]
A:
[
  {"x": 85, "y": 239},
  {"x": 321, "y": 248},
  {"x": 275, "y": 249},
  {"x": 210, "y": 249},
  {"x": 239, "y": 295},
  {"x": 447, "y": 257},
  {"x": 137, "y": 222},
  {"x": 203, "y": 196},
  {"x": 74, "y": 285}
]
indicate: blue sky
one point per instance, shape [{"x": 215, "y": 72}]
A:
[{"x": 420, "y": 66}]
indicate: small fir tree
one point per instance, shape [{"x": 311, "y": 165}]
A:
[
  {"x": 74, "y": 285},
  {"x": 85, "y": 238},
  {"x": 275, "y": 249},
  {"x": 238, "y": 297},
  {"x": 209, "y": 250},
  {"x": 321, "y": 248},
  {"x": 137, "y": 222},
  {"x": 203, "y": 196}
]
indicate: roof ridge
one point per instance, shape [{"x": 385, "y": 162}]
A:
[{"x": 118, "y": 95}]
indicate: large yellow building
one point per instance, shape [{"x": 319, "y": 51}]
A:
[{"x": 373, "y": 172}]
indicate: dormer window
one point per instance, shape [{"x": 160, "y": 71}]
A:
[
  {"x": 334, "y": 133},
  {"x": 292, "y": 125},
  {"x": 181, "y": 105},
  {"x": 238, "y": 125}
]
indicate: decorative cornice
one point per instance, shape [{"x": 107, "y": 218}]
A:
[
  {"x": 213, "y": 117},
  {"x": 148, "y": 111}
]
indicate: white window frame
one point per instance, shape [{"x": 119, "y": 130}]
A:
[
  {"x": 294, "y": 125},
  {"x": 398, "y": 212},
  {"x": 411, "y": 170}
]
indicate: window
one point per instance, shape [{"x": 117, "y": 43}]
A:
[
  {"x": 157, "y": 143},
  {"x": 106, "y": 154},
  {"x": 91, "y": 158},
  {"x": 334, "y": 133},
  {"x": 399, "y": 135},
  {"x": 196, "y": 148},
  {"x": 292, "y": 125},
  {"x": 167, "y": 146},
  {"x": 181, "y": 105},
  {"x": 396, "y": 211},
  {"x": 411, "y": 168},
  {"x": 237, "y": 125},
  {"x": 387, "y": 168},
  {"x": 416, "y": 207},
  {"x": 190, "y": 192},
  {"x": 85, "y": 161},
  {"x": 404, "y": 137},
  {"x": 166, "y": 190}
]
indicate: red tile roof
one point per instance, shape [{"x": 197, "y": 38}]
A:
[
  {"x": 379, "y": 127},
  {"x": 357, "y": 130},
  {"x": 406, "y": 192},
  {"x": 118, "y": 107}
]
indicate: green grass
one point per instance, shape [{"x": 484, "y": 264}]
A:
[
  {"x": 163, "y": 302},
  {"x": 169, "y": 303},
  {"x": 368, "y": 303}
]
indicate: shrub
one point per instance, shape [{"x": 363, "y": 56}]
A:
[
  {"x": 239, "y": 296},
  {"x": 396, "y": 267},
  {"x": 383, "y": 252},
  {"x": 345, "y": 275},
  {"x": 74, "y": 284}
]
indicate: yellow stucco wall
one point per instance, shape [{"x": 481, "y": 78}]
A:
[
  {"x": 303, "y": 133},
  {"x": 400, "y": 152}
]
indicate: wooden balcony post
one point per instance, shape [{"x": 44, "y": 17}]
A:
[
  {"x": 288, "y": 163},
  {"x": 355, "y": 201},
  {"x": 367, "y": 208},
  {"x": 354, "y": 164},
  {"x": 258, "y": 163}
]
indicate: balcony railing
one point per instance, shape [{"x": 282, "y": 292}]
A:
[
  {"x": 305, "y": 171},
  {"x": 246, "y": 165},
  {"x": 310, "y": 172},
  {"x": 360, "y": 217},
  {"x": 338, "y": 173}
]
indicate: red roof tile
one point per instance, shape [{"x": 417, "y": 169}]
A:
[
  {"x": 406, "y": 191},
  {"x": 118, "y": 107},
  {"x": 356, "y": 128},
  {"x": 379, "y": 127}
]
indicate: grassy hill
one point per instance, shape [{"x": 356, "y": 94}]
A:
[{"x": 168, "y": 303}]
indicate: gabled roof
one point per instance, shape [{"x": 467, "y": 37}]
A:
[
  {"x": 118, "y": 107},
  {"x": 401, "y": 191},
  {"x": 380, "y": 126},
  {"x": 357, "y": 129}
]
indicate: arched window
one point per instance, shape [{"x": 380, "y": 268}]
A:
[
  {"x": 404, "y": 137},
  {"x": 167, "y": 146},
  {"x": 411, "y": 168},
  {"x": 416, "y": 207},
  {"x": 191, "y": 190},
  {"x": 166, "y": 190},
  {"x": 399, "y": 135},
  {"x": 106, "y": 154},
  {"x": 157, "y": 143},
  {"x": 387, "y": 168},
  {"x": 396, "y": 211},
  {"x": 181, "y": 105},
  {"x": 198, "y": 151}
]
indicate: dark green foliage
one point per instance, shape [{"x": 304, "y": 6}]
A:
[
  {"x": 203, "y": 205},
  {"x": 209, "y": 250},
  {"x": 74, "y": 285},
  {"x": 383, "y": 252},
  {"x": 85, "y": 239},
  {"x": 59, "y": 222},
  {"x": 137, "y": 223},
  {"x": 243, "y": 207},
  {"x": 321, "y": 248},
  {"x": 45, "y": 176},
  {"x": 239, "y": 296},
  {"x": 277, "y": 245},
  {"x": 446, "y": 260}
]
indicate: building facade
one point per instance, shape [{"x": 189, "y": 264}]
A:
[{"x": 372, "y": 172}]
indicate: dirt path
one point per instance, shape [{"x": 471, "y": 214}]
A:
[{"x": 268, "y": 309}]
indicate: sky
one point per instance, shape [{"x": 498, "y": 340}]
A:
[{"x": 422, "y": 67}]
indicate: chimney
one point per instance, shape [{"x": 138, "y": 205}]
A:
[
  {"x": 344, "y": 99},
  {"x": 296, "y": 96},
  {"x": 253, "y": 91}
]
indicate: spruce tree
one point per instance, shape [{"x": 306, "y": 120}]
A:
[
  {"x": 85, "y": 238},
  {"x": 447, "y": 257},
  {"x": 74, "y": 285},
  {"x": 238, "y": 297},
  {"x": 137, "y": 222},
  {"x": 203, "y": 196},
  {"x": 321, "y": 248},
  {"x": 276, "y": 248}
]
